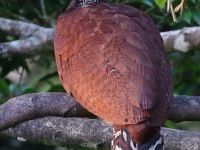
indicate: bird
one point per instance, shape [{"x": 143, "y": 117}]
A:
[{"x": 111, "y": 59}]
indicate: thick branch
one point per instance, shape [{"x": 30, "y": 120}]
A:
[
  {"x": 26, "y": 107},
  {"x": 181, "y": 140},
  {"x": 184, "y": 108},
  {"x": 36, "y": 38},
  {"x": 89, "y": 132}
]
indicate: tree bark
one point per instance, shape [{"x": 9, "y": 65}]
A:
[
  {"x": 89, "y": 133},
  {"x": 34, "y": 38},
  {"x": 182, "y": 40},
  {"x": 31, "y": 106},
  {"x": 83, "y": 132},
  {"x": 185, "y": 108}
]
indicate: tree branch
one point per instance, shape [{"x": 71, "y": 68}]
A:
[
  {"x": 42, "y": 5},
  {"x": 62, "y": 131},
  {"x": 31, "y": 37},
  {"x": 36, "y": 38},
  {"x": 181, "y": 140},
  {"x": 182, "y": 40},
  {"x": 19, "y": 28},
  {"x": 185, "y": 108},
  {"x": 88, "y": 132},
  {"x": 39, "y": 105}
]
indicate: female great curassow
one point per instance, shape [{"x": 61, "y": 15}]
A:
[{"x": 111, "y": 58}]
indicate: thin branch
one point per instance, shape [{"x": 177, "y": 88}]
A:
[
  {"x": 171, "y": 9},
  {"x": 180, "y": 7},
  {"x": 185, "y": 108},
  {"x": 43, "y": 8},
  {"x": 88, "y": 132}
]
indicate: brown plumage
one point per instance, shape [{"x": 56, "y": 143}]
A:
[{"x": 111, "y": 58}]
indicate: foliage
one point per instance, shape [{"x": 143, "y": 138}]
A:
[
  {"x": 15, "y": 145},
  {"x": 160, "y": 3},
  {"x": 185, "y": 66},
  {"x": 186, "y": 72}
]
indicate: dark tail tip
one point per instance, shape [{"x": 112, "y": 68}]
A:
[
  {"x": 156, "y": 143},
  {"x": 122, "y": 141}
]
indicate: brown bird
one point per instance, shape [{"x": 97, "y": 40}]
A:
[{"x": 111, "y": 59}]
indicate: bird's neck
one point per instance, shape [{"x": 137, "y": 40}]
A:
[{"x": 85, "y": 2}]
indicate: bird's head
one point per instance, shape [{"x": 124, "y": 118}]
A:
[
  {"x": 77, "y": 3},
  {"x": 84, "y": 2}
]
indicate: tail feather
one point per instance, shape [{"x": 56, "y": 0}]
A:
[
  {"x": 157, "y": 143},
  {"x": 124, "y": 140}
]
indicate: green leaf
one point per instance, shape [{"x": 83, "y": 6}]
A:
[
  {"x": 56, "y": 88},
  {"x": 147, "y": 2},
  {"x": 13, "y": 63},
  {"x": 194, "y": 1},
  {"x": 48, "y": 76},
  {"x": 170, "y": 124},
  {"x": 29, "y": 90},
  {"x": 4, "y": 89},
  {"x": 160, "y": 3},
  {"x": 187, "y": 15},
  {"x": 196, "y": 15}
]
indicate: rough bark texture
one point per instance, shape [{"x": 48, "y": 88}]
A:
[
  {"x": 181, "y": 140},
  {"x": 62, "y": 131},
  {"x": 26, "y": 107},
  {"x": 31, "y": 37},
  {"x": 88, "y": 132},
  {"x": 184, "y": 108},
  {"x": 34, "y": 38},
  {"x": 182, "y": 40}
]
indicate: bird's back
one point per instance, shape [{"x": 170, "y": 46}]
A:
[{"x": 111, "y": 58}]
